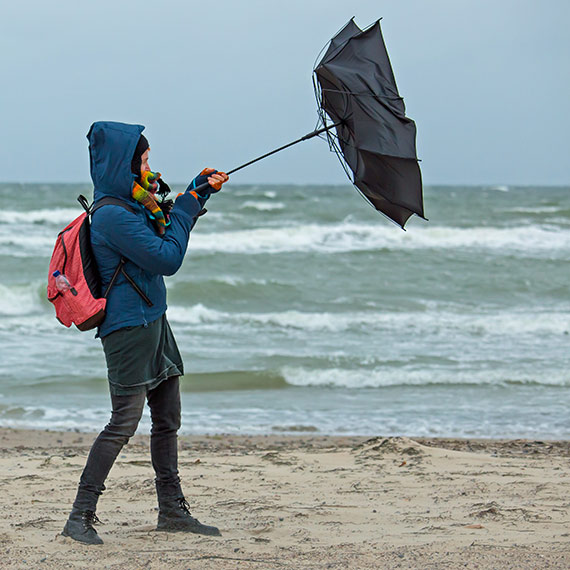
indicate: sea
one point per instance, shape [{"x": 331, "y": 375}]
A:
[{"x": 301, "y": 310}]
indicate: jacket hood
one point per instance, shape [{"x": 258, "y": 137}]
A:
[{"x": 111, "y": 149}]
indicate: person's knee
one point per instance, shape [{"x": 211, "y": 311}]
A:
[
  {"x": 124, "y": 430},
  {"x": 120, "y": 432},
  {"x": 125, "y": 419}
]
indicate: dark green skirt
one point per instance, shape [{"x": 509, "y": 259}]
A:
[{"x": 140, "y": 358}]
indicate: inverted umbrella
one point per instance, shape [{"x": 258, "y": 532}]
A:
[
  {"x": 375, "y": 141},
  {"x": 355, "y": 87}
]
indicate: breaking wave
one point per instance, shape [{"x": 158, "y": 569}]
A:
[
  {"x": 21, "y": 299},
  {"x": 58, "y": 216},
  {"x": 426, "y": 322},
  {"x": 262, "y": 206},
  {"x": 33, "y": 233},
  {"x": 390, "y": 377},
  {"x": 346, "y": 237}
]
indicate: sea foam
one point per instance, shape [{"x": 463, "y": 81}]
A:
[
  {"x": 428, "y": 322},
  {"x": 346, "y": 237},
  {"x": 58, "y": 216},
  {"x": 20, "y": 299},
  {"x": 408, "y": 376},
  {"x": 262, "y": 206}
]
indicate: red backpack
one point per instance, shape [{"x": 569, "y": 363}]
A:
[{"x": 74, "y": 284}]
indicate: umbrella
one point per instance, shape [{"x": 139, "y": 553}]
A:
[
  {"x": 375, "y": 141},
  {"x": 373, "y": 138}
]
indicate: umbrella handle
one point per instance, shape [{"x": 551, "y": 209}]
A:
[{"x": 304, "y": 138}]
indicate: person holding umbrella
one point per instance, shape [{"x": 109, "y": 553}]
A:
[
  {"x": 363, "y": 117},
  {"x": 375, "y": 141},
  {"x": 143, "y": 361}
]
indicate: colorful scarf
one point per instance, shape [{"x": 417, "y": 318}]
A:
[{"x": 144, "y": 194}]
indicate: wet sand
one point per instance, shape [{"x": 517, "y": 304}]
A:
[{"x": 296, "y": 502}]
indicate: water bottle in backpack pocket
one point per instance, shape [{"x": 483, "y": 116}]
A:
[{"x": 62, "y": 284}]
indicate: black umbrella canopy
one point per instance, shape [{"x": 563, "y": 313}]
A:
[{"x": 375, "y": 141}]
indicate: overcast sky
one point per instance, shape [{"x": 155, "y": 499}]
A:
[{"x": 217, "y": 83}]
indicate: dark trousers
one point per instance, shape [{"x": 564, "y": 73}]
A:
[{"x": 164, "y": 404}]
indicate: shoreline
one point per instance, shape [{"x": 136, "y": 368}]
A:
[
  {"x": 297, "y": 501},
  {"x": 46, "y": 438}
]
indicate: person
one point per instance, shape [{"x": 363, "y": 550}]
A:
[{"x": 143, "y": 360}]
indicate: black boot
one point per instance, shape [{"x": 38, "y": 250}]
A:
[
  {"x": 79, "y": 526},
  {"x": 173, "y": 515}
]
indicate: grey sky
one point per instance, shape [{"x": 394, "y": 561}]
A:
[{"x": 217, "y": 83}]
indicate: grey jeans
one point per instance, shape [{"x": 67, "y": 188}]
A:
[{"x": 164, "y": 404}]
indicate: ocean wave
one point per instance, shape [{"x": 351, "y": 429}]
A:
[
  {"x": 200, "y": 314},
  {"x": 57, "y": 216},
  {"x": 264, "y": 416},
  {"x": 497, "y": 188},
  {"x": 234, "y": 281},
  {"x": 54, "y": 418},
  {"x": 21, "y": 299},
  {"x": 185, "y": 285},
  {"x": 196, "y": 314},
  {"x": 350, "y": 236},
  {"x": 193, "y": 382},
  {"x": 29, "y": 301},
  {"x": 40, "y": 323},
  {"x": 385, "y": 378},
  {"x": 27, "y": 244},
  {"x": 429, "y": 322},
  {"x": 262, "y": 206},
  {"x": 346, "y": 236},
  {"x": 535, "y": 210},
  {"x": 254, "y": 190}
]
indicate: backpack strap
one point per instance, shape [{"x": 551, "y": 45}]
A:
[
  {"x": 109, "y": 200},
  {"x": 112, "y": 201},
  {"x": 121, "y": 269},
  {"x": 90, "y": 208}
]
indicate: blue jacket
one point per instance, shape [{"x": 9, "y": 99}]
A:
[{"x": 117, "y": 232}]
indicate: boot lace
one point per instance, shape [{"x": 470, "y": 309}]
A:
[
  {"x": 183, "y": 503},
  {"x": 89, "y": 519}
]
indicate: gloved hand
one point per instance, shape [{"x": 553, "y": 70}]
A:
[{"x": 213, "y": 178}]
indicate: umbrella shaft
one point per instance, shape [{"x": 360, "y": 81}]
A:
[{"x": 306, "y": 137}]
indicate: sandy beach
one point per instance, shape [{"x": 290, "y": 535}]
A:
[{"x": 297, "y": 502}]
